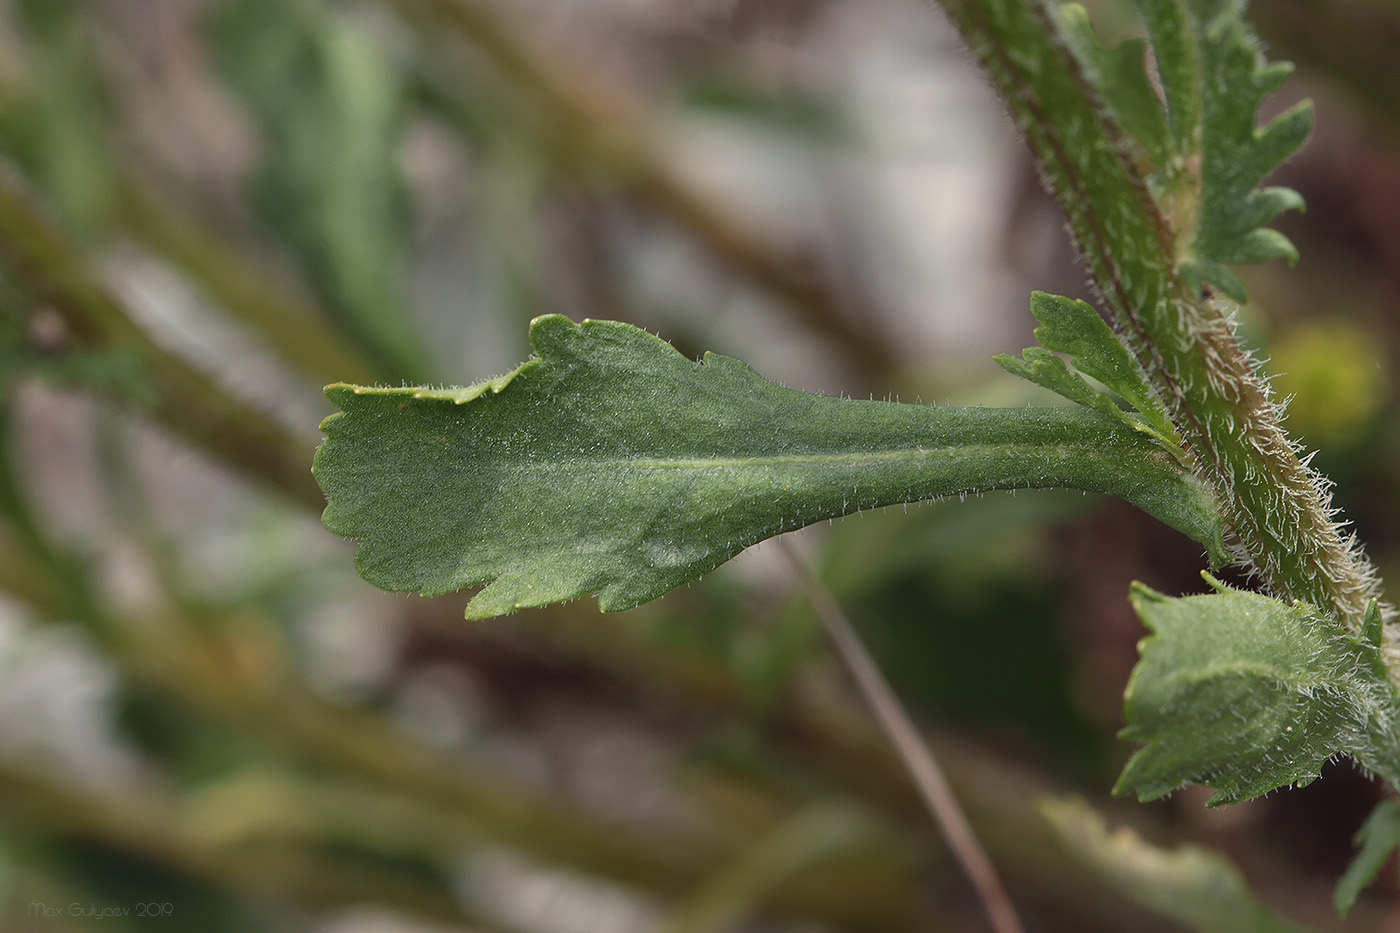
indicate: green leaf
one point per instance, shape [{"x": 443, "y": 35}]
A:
[
  {"x": 1074, "y": 327},
  {"x": 1215, "y": 78},
  {"x": 1156, "y": 245},
  {"x": 57, "y": 123},
  {"x": 1120, "y": 73},
  {"x": 610, "y": 463},
  {"x": 1236, "y": 155},
  {"x": 1084, "y": 152},
  {"x": 1207, "y": 154},
  {"x": 1189, "y": 884},
  {"x": 1377, "y": 837},
  {"x": 1244, "y": 693},
  {"x": 1175, "y": 52},
  {"x": 330, "y": 109}
]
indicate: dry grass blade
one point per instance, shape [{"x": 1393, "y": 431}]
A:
[{"x": 914, "y": 752}]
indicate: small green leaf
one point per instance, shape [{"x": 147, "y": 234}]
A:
[
  {"x": 1074, "y": 327},
  {"x": 1172, "y": 32},
  {"x": 1373, "y": 628},
  {"x": 1235, "y": 154},
  {"x": 613, "y": 464},
  {"x": 1207, "y": 155},
  {"x": 1191, "y": 885},
  {"x": 1246, "y": 694},
  {"x": 1120, "y": 73},
  {"x": 1377, "y": 837},
  {"x": 1047, "y": 370}
]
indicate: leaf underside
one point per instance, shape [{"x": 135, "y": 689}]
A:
[{"x": 612, "y": 464}]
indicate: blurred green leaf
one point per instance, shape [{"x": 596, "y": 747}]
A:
[
  {"x": 330, "y": 108},
  {"x": 1378, "y": 837},
  {"x": 58, "y": 125},
  {"x": 612, "y": 464},
  {"x": 1189, "y": 884},
  {"x": 818, "y": 834},
  {"x": 1123, "y": 79}
]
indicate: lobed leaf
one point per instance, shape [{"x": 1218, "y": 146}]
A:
[
  {"x": 1236, "y": 154},
  {"x": 1074, "y": 327},
  {"x": 1138, "y": 231},
  {"x": 1171, "y": 29},
  {"x": 1241, "y": 692},
  {"x": 610, "y": 463},
  {"x": 1206, "y": 155},
  {"x": 1121, "y": 73}
]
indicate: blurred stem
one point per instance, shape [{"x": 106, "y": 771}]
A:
[
  {"x": 149, "y": 828},
  {"x": 605, "y": 131},
  {"x": 838, "y": 740},
  {"x": 365, "y": 745},
  {"x": 211, "y": 668},
  {"x": 807, "y": 838},
  {"x": 34, "y": 569},
  {"x": 295, "y": 330},
  {"x": 185, "y": 400},
  {"x": 913, "y": 750}
]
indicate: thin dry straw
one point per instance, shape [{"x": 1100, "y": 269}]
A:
[{"x": 912, "y": 749}]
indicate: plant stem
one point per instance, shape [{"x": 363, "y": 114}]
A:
[
  {"x": 183, "y": 399},
  {"x": 913, "y": 750},
  {"x": 148, "y": 828},
  {"x": 1277, "y": 509},
  {"x": 209, "y": 668},
  {"x": 296, "y": 330}
]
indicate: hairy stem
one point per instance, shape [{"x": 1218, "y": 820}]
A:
[{"x": 1277, "y": 509}]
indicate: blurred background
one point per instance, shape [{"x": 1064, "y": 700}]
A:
[{"x": 211, "y": 208}]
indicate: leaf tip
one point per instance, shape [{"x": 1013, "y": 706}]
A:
[
  {"x": 1141, "y": 591},
  {"x": 1214, "y": 583},
  {"x": 338, "y": 392},
  {"x": 1373, "y": 627},
  {"x": 548, "y": 332}
]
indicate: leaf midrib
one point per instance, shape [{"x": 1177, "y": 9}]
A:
[{"x": 962, "y": 451}]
